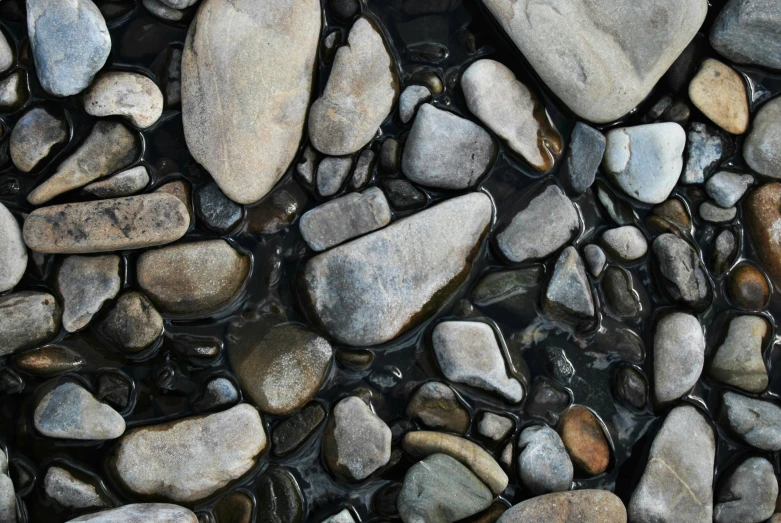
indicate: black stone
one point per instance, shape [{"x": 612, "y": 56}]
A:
[
  {"x": 614, "y": 339},
  {"x": 681, "y": 72},
  {"x": 402, "y": 195},
  {"x": 10, "y": 382},
  {"x": 236, "y": 507},
  {"x": 217, "y": 212},
  {"x": 678, "y": 113},
  {"x": 289, "y": 435},
  {"x": 586, "y": 148},
  {"x": 390, "y": 152},
  {"x": 547, "y": 401},
  {"x": 385, "y": 500},
  {"x": 115, "y": 389},
  {"x": 631, "y": 387},
  {"x": 620, "y": 296},
  {"x": 558, "y": 366},
  {"x": 279, "y": 498},
  {"x": 196, "y": 347},
  {"x": 344, "y": 10}
]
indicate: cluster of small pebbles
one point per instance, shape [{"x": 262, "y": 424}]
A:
[{"x": 423, "y": 261}]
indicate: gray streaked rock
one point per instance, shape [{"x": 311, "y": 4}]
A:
[
  {"x": 411, "y": 99},
  {"x": 372, "y": 289},
  {"x": 512, "y": 111},
  {"x": 361, "y": 91},
  {"x": 754, "y": 421},
  {"x": 70, "y": 43},
  {"x": 749, "y": 495},
  {"x": 71, "y": 492},
  {"x": 364, "y": 170},
  {"x": 189, "y": 459},
  {"x": 595, "y": 259},
  {"x": 6, "y": 54},
  {"x": 192, "y": 278},
  {"x": 132, "y": 222},
  {"x": 577, "y": 506},
  {"x": 762, "y": 148},
  {"x": 141, "y": 513},
  {"x": 715, "y": 214},
  {"x": 436, "y": 406},
  {"x": 584, "y": 156},
  {"x": 34, "y": 136},
  {"x": 13, "y": 251},
  {"x": 495, "y": 427},
  {"x": 679, "y": 355},
  {"x": 69, "y": 411},
  {"x": 266, "y": 71},
  {"x": 631, "y": 46},
  {"x": 123, "y": 183},
  {"x": 468, "y": 353},
  {"x": 568, "y": 295},
  {"x": 130, "y": 95},
  {"x": 85, "y": 284},
  {"x": 332, "y": 172},
  {"x": 619, "y": 291},
  {"x": 749, "y": 32},
  {"x": 132, "y": 324},
  {"x": 626, "y": 243},
  {"x": 27, "y": 319},
  {"x": 549, "y": 221},
  {"x": 677, "y": 484},
  {"x": 738, "y": 360},
  {"x": 110, "y": 146},
  {"x": 706, "y": 148},
  {"x": 345, "y": 218},
  {"x": 446, "y": 151},
  {"x": 645, "y": 161},
  {"x": 682, "y": 275},
  {"x": 544, "y": 463},
  {"x": 727, "y": 188}
]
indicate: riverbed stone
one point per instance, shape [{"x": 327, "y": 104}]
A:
[
  {"x": 584, "y": 156},
  {"x": 762, "y": 148},
  {"x": 266, "y": 70},
  {"x": 631, "y": 387},
  {"x": 727, "y": 188},
  {"x": 632, "y": 46},
  {"x": 595, "y": 259},
  {"x": 678, "y": 356},
  {"x": 70, "y": 43},
  {"x": 27, "y": 319},
  {"x": 215, "y": 210},
  {"x": 34, "y": 136},
  {"x": 677, "y": 484},
  {"x": 748, "y": 287},
  {"x": 756, "y": 422},
  {"x": 192, "y": 278},
  {"x": 70, "y": 492},
  {"x": 625, "y": 243},
  {"x": 738, "y": 360},
  {"x": 411, "y": 99},
  {"x": 495, "y": 427},
  {"x": 706, "y": 148},
  {"x": 132, "y": 324},
  {"x": 682, "y": 277},
  {"x": 585, "y": 440},
  {"x": 292, "y": 433},
  {"x": 568, "y": 296},
  {"x": 512, "y": 111},
  {"x": 544, "y": 463},
  {"x": 161, "y": 10},
  {"x": 49, "y": 360},
  {"x": 749, "y": 495},
  {"x": 725, "y": 248},
  {"x": 132, "y": 222},
  {"x": 6, "y": 53},
  {"x": 714, "y": 214},
  {"x": 446, "y": 151},
  {"x": 408, "y": 266},
  {"x": 718, "y": 91},
  {"x": 762, "y": 209},
  {"x": 130, "y": 95},
  {"x": 436, "y": 406},
  {"x": 13, "y": 251},
  {"x": 645, "y": 161},
  {"x": 7, "y": 498},
  {"x": 141, "y": 513},
  {"x": 69, "y": 411},
  {"x": 332, "y": 172},
  {"x": 749, "y": 32},
  {"x": 14, "y": 91},
  {"x": 124, "y": 183},
  {"x": 86, "y": 283},
  {"x": 577, "y": 506},
  {"x": 360, "y": 93},
  {"x": 279, "y": 497}
]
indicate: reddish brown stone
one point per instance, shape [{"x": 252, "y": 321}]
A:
[
  {"x": 585, "y": 440},
  {"x": 763, "y": 215},
  {"x": 748, "y": 287}
]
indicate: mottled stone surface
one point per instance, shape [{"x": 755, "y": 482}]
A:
[
  {"x": 625, "y": 243},
  {"x": 85, "y": 283},
  {"x": 122, "y": 93},
  {"x": 34, "y": 136},
  {"x": 715, "y": 214},
  {"x": 762, "y": 148},
  {"x": 726, "y": 187},
  {"x": 585, "y": 440},
  {"x": 71, "y": 492},
  {"x": 132, "y": 324},
  {"x": 69, "y": 411},
  {"x": 595, "y": 259},
  {"x": 681, "y": 274},
  {"x": 14, "y": 91},
  {"x": 718, "y": 91},
  {"x": 584, "y": 155},
  {"x": 749, "y": 32},
  {"x": 706, "y": 148},
  {"x": 495, "y": 427},
  {"x": 738, "y": 360},
  {"x": 762, "y": 210},
  {"x": 215, "y": 210},
  {"x": 568, "y": 296},
  {"x": 679, "y": 355},
  {"x": 411, "y": 99},
  {"x": 748, "y": 287},
  {"x": 756, "y": 422},
  {"x": 27, "y": 319},
  {"x": 279, "y": 497},
  {"x": 749, "y": 495},
  {"x": 332, "y": 172},
  {"x": 7, "y": 497},
  {"x": 544, "y": 463},
  {"x": 141, "y": 513},
  {"x": 578, "y": 506},
  {"x": 293, "y": 432},
  {"x": 13, "y": 251},
  {"x": 263, "y": 76},
  {"x": 123, "y": 183},
  {"x": 49, "y": 360},
  {"x": 437, "y": 407},
  {"x": 6, "y": 53}
]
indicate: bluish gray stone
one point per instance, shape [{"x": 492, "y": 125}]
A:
[
  {"x": 715, "y": 214},
  {"x": 749, "y": 495},
  {"x": 13, "y": 251},
  {"x": 544, "y": 463},
  {"x": 69, "y": 411},
  {"x": 585, "y": 153},
  {"x": 682, "y": 276},
  {"x": 85, "y": 284},
  {"x": 332, "y": 173},
  {"x": 727, "y": 188},
  {"x": 595, "y": 259},
  {"x": 132, "y": 324},
  {"x": 749, "y": 32},
  {"x": 568, "y": 296},
  {"x": 679, "y": 355},
  {"x": 626, "y": 243},
  {"x": 219, "y": 392},
  {"x": 706, "y": 148},
  {"x": 411, "y": 99},
  {"x": 762, "y": 148},
  {"x": 756, "y": 422}
]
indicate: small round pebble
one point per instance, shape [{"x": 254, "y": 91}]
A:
[{"x": 748, "y": 287}]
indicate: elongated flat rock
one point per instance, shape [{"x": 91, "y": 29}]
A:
[
  {"x": 578, "y": 506},
  {"x": 375, "y": 288},
  {"x": 27, "y": 319},
  {"x": 141, "y": 513},
  {"x": 245, "y": 98},
  {"x": 119, "y": 224}
]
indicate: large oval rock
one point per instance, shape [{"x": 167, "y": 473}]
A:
[
  {"x": 189, "y": 459},
  {"x": 749, "y": 495},
  {"x": 756, "y": 422},
  {"x": 27, "y": 319},
  {"x": 244, "y": 98},
  {"x": 762, "y": 148},
  {"x": 70, "y": 411},
  {"x": 192, "y": 278},
  {"x": 359, "y": 95},
  {"x": 679, "y": 355},
  {"x": 763, "y": 213},
  {"x": 375, "y": 288},
  {"x": 577, "y": 506},
  {"x": 141, "y": 513},
  {"x": 749, "y": 32},
  {"x": 13, "y": 251}
]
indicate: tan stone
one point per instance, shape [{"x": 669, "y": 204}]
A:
[{"x": 719, "y": 92}]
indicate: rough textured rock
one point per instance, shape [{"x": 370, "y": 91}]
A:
[
  {"x": 290, "y": 434},
  {"x": 754, "y": 421},
  {"x": 332, "y": 173},
  {"x": 568, "y": 297},
  {"x": 279, "y": 497},
  {"x": 512, "y": 111},
  {"x": 439, "y": 489},
  {"x": 356, "y": 442},
  {"x": 578, "y": 506},
  {"x": 749, "y": 32},
  {"x": 69, "y": 411},
  {"x": 718, "y": 91},
  {"x": 411, "y": 99},
  {"x": 762, "y": 148},
  {"x": 34, "y": 136},
  {"x": 645, "y": 161},
  {"x": 133, "y": 324},
  {"x": 584, "y": 155},
  {"x": 123, "y": 183},
  {"x": 14, "y": 91},
  {"x": 682, "y": 276},
  {"x": 27, "y": 319},
  {"x": 71, "y": 492},
  {"x": 677, "y": 484},
  {"x": 110, "y": 146},
  {"x": 70, "y": 43},
  {"x": 7, "y": 498},
  {"x": 192, "y": 278},
  {"x": 189, "y": 459},
  {"x": 215, "y": 210},
  {"x": 361, "y": 91},
  {"x": 726, "y": 188},
  {"x": 679, "y": 355},
  {"x": 762, "y": 210},
  {"x": 585, "y": 440},
  {"x": 437, "y": 407},
  {"x": 748, "y": 287},
  {"x": 13, "y": 251},
  {"x": 446, "y": 151},
  {"x": 372, "y": 289},
  {"x": 122, "y": 93},
  {"x": 133, "y": 222},
  {"x": 468, "y": 353},
  {"x": 625, "y": 243},
  {"x": 738, "y": 361},
  {"x": 141, "y": 513},
  {"x": 544, "y": 463},
  {"x": 706, "y": 148},
  {"x": 631, "y": 46},
  {"x": 549, "y": 221},
  {"x": 85, "y": 284},
  {"x": 364, "y": 170},
  {"x": 266, "y": 71},
  {"x": 749, "y": 495},
  {"x": 495, "y": 427}
]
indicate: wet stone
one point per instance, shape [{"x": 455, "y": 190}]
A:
[
  {"x": 273, "y": 215},
  {"x": 70, "y": 492},
  {"x": 402, "y": 195},
  {"x": 756, "y": 422},
  {"x": 546, "y": 401},
  {"x": 49, "y": 361},
  {"x": 216, "y": 210},
  {"x": 715, "y": 214},
  {"x": 161, "y": 10},
  {"x": 37, "y": 133},
  {"x": 617, "y": 210},
  {"x": 292, "y": 433},
  {"x": 544, "y": 463},
  {"x": 625, "y": 243},
  {"x": 307, "y": 165},
  {"x": 679, "y": 355},
  {"x": 121, "y": 93},
  {"x": 27, "y": 319},
  {"x": 344, "y": 10},
  {"x": 585, "y": 440},
  {"x": 279, "y": 498},
  {"x": 578, "y": 506},
  {"x": 411, "y": 99},
  {"x": 342, "y": 517},
  {"x": 332, "y": 173},
  {"x": 718, "y": 91},
  {"x": 513, "y": 288},
  {"x": 761, "y": 148},
  {"x": 584, "y": 155},
  {"x": 568, "y": 296},
  {"x": 171, "y": 79},
  {"x": 762, "y": 211},
  {"x": 495, "y": 427},
  {"x": 8, "y": 509},
  {"x": 236, "y": 507},
  {"x": 681, "y": 274},
  {"x": 85, "y": 284},
  {"x": 618, "y": 289},
  {"x": 749, "y": 32},
  {"x": 146, "y": 512},
  {"x": 724, "y": 251},
  {"x": 436, "y": 406},
  {"x": 14, "y": 92},
  {"x": 631, "y": 387},
  {"x": 68, "y": 411},
  {"x": 617, "y": 340},
  {"x": 115, "y": 388},
  {"x": 132, "y": 324},
  {"x": 748, "y": 287},
  {"x": 355, "y": 359},
  {"x": 182, "y": 190},
  {"x": 364, "y": 169},
  {"x": 6, "y": 53},
  {"x": 390, "y": 154},
  {"x": 557, "y": 365},
  {"x": 219, "y": 393},
  {"x": 13, "y": 251},
  {"x": 595, "y": 259},
  {"x": 749, "y": 495},
  {"x": 706, "y": 149},
  {"x": 124, "y": 183},
  {"x": 726, "y": 187}
]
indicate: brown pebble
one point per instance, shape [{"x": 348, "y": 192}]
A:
[
  {"x": 182, "y": 190},
  {"x": 585, "y": 440},
  {"x": 489, "y": 515},
  {"x": 748, "y": 287},
  {"x": 762, "y": 209},
  {"x": 236, "y": 507},
  {"x": 670, "y": 216},
  {"x": 274, "y": 213},
  {"x": 48, "y": 361}
]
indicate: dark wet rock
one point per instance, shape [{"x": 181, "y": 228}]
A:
[
  {"x": 512, "y": 111},
  {"x": 762, "y": 211},
  {"x": 197, "y": 347},
  {"x": 756, "y": 422},
  {"x": 748, "y": 287},
  {"x": 439, "y": 489},
  {"x": 617, "y": 340},
  {"x": 549, "y": 221},
  {"x": 191, "y": 458},
  {"x": 469, "y": 353},
  {"x": 411, "y": 99},
  {"x": 115, "y": 388},
  {"x": 682, "y": 277},
  {"x": 10, "y": 382},
  {"x": 218, "y": 212},
  {"x": 715, "y": 214},
  {"x": 683, "y": 68},
  {"x": 544, "y": 463},
  {"x": 631, "y": 387},
  {"x": 332, "y": 172},
  {"x": 585, "y": 440},
  {"x": 726, "y": 187},
  {"x": 390, "y": 155},
  {"x": 625, "y": 243},
  {"x": 355, "y": 359},
  {"x": 274, "y": 214},
  {"x": 85, "y": 284},
  {"x": 402, "y": 195},
  {"x": 218, "y": 393},
  {"x": 706, "y": 149},
  {"x": 121, "y": 93},
  {"x": 557, "y": 365},
  {"x": 678, "y": 113},
  {"x": 280, "y": 366},
  {"x": 110, "y": 146},
  {"x": 719, "y": 92},
  {"x": 514, "y": 289},
  {"x": 49, "y": 361},
  {"x": 547, "y": 401},
  {"x": 584, "y": 155},
  {"x": 291, "y": 434},
  {"x": 620, "y": 296},
  {"x": 132, "y": 324},
  {"x": 236, "y": 507},
  {"x": 419, "y": 258},
  {"x": 70, "y": 492},
  {"x": 436, "y": 406},
  {"x": 69, "y": 411},
  {"x": 495, "y": 427},
  {"x": 446, "y": 151},
  {"x": 384, "y": 502},
  {"x": 568, "y": 296},
  {"x": 749, "y": 495},
  {"x": 677, "y": 484},
  {"x": 725, "y": 249},
  {"x": 123, "y": 183},
  {"x": 27, "y": 319},
  {"x": 137, "y": 512},
  {"x": 679, "y": 355},
  {"x": 14, "y": 91},
  {"x": 356, "y": 442},
  {"x": 279, "y": 498},
  {"x": 761, "y": 148},
  {"x": 344, "y": 10},
  {"x": 171, "y": 77},
  {"x": 192, "y": 278},
  {"x": 13, "y": 251},
  {"x": 34, "y": 137},
  {"x": 578, "y": 506},
  {"x": 70, "y": 43},
  {"x": 363, "y": 171},
  {"x": 360, "y": 93},
  {"x": 617, "y": 210},
  {"x": 595, "y": 259},
  {"x": 749, "y": 32}
]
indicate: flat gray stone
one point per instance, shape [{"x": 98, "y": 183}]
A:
[
  {"x": 738, "y": 360},
  {"x": 123, "y": 183},
  {"x": 70, "y": 43},
  {"x": 727, "y": 188},
  {"x": 27, "y": 319},
  {"x": 364, "y": 169},
  {"x": 34, "y": 136},
  {"x": 132, "y": 324},
  {"x": 345, "y": 218},
  {"x": 706, "y": 148},
  {"x": 436, "y": 406},
  {"x": 512, "y": 111},
  {"x": 446, "y": 151},
  {"x": 677, "y": 484},
  {"x": 749, "y": 495},
  {"x": 13, "y": 251},
  {"x": 69, "y": 411},
  {"x": 468, "y": 353},
  {"x": 411, "y": 99},
  {"x": 141, "y": 513},
  {"x": 266, "y": 72},
  {"x": 549, "y": 221},
  {"x": 568, "y": 295},
  {"x": 544, "y": 463},
  {"x": 631, "y": 45},
  {"x": 110, "y": 146},
  {"x": 372, "y": 289},
  {"x": 361, "y": 91},
  {"x": 495, "y": 427},
  {"x": 625, "y": 243},
  {"x": 192, "y": 458},
  {"x": 754, "y": 421},
  {"x": 70, "y": 492},
  {"x": 679, "y": 355},
  {"x": 682, "y": 275},
  {"x": 584, "y": 156},
  {"x": 645, "y": 161},
  {"x": 762, "y": 148},
  {"x": 595, "y": 259},
  {"x": 86, "y": 283},
  {"x": 130, "y": 95},
  {"x": 133, "y": 222},
  {"x": 749, "y": 32},
  {"x": 332, "y": 172},
  {"x": 715, "y": 214}
]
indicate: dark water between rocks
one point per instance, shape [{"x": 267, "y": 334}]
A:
[{"x": 168, "y": 383}]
